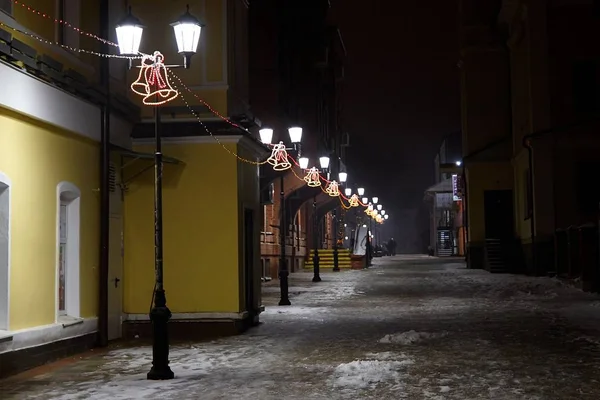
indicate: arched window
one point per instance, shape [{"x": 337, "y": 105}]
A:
[
  {"x": 4, "y": 251},
  {"x": 67, "y": 235}
]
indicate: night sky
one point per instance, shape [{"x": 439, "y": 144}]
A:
[{"x": 401, "y": 97}]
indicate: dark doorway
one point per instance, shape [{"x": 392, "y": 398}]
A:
[
  {"x": 498, "y": 209},
  {"x": 249, "y": 270}
]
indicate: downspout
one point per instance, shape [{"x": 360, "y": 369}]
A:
[
  {"x": 527, "y": 145},
  {"x": 465, "y": 212},
  {"x": 102, "y": 337}
]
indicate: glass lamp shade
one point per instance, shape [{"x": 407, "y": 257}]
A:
[
  {"x": 324, "y": 162},
  {"x": 303, "y": 162},
  {"x": 375, "y": 200},
  {"x": 343, "y": 177},
  {"x": 295, "y": 134},
  {"x": 386, "y": 216},
  {"x": 379, "y": 207},
  {"x": 187, "y": 30},
  {"x": 348, "y": 192},
  {"x": 361, "y": 191},
  {"x": 266, "y": 135},
  {"x": 129, "y": 35},
  {"x": 365, "y": 200},
  {"x": 382, "y": 212}
]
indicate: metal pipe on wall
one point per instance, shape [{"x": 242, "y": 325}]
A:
[{"x": 102, "y": 338}]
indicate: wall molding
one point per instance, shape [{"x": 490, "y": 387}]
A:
[
  {"x": 199, "y": 316},
  {"x": 40, "y": 335},
  {"x": 26, "y": 94}
]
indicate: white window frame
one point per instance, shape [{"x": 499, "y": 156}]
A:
[
  {"x": 6, "y": 183},
  {"x": 69, "y": 195}
]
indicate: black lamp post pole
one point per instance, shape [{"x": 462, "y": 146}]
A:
[
  {"x": 316, "y": 275},
  {"x": 336, "y": 266},
  {"x": 160, "y": 313},
  {"x": 369, "y": 244},
  {"x": 283, "y": 270}
]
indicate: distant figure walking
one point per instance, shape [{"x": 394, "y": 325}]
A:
[{"x": 391, "y": 245}]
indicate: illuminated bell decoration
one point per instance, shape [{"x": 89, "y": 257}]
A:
[
  {"x": 153, "y": 81},
  {"x": 312, "y": 177},
  {"x": 353, "y": 201},
  {"x": 279, "y": 157},
  {"x": 333, "y": 189},
  {"x": 379, "y": 218}
]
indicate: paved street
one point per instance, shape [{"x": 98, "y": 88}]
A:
[{"x": 408, "y": 328}]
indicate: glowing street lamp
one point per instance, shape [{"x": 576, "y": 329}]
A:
[
  {"x": 379, "y": 207},
  {"x": 375, "y": 200},
  {"x": 361, "y": 192},
  {"x": 343, "y": 176},
  {"x": 348, "y": 192},
  {"x": 303, "y": 162}
]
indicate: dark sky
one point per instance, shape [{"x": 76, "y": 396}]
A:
[{"x": 401, "y": 96}]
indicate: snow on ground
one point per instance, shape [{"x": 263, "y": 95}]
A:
[
  {"x": 408, "y": 328},
  {"x": 410, "y": 337}
]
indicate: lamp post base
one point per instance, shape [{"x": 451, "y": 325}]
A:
[
  {"x": 316, "y": 278},
  {"x": 284, "y": 288},
  {"x": 160, "y": 316}
]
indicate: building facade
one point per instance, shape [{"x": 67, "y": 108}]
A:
[
  {"x": 297, "y": 60},
  {"x": 52, "y": 276},
  {"x": 51, "y": 106},
  {"x": 530, "y": 103}
]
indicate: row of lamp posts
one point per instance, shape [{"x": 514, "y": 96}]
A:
[
  {"x": 295, "y": 133},
  {"x": 187, "y": 30}
]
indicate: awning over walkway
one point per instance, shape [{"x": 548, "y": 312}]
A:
[{"x": 444, "y": 186}]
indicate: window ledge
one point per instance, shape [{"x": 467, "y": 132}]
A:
[
  {"x": 5, "y": 336},
  {"x": 9, "y": 21},
  {"x": 67, "y": 321}
]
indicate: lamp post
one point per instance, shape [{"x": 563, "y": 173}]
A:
[
  {"x": 266, "y": 136},
  {"x": 324, "y": 163},
  {"x": 377, "y": 230},
  {"x": 343, "y": 177},
  {"x": 129, "y": 36},
  {"x": 375, "y": 201}
]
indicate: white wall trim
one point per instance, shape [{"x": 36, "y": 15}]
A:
[
  {"x": 40, "y": 100},
  {"x": 72, "y": 284},
  {"x": 204, "y": 316},
  {"x": 40, "y": 335},
  {"x": 5, "y": 270}
]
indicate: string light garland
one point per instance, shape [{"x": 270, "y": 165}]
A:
[
  {"x": 204, "y": 103},
  {"x": 153, "y": 81},
  {"x": 72, "y": 49},
  {"x": 312, "y": 178},
  {"x": 279, "y": 157},
  {"x": 155, "y": 75},
  {"x": 62, "y": 22},
  {"x": 209, "y": 132}
]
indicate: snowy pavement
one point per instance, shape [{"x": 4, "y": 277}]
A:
[{"x": 408, "y": 328}]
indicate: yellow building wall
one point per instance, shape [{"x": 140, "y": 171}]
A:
[
  {"x": 481, "y": 177},
  {"x": 47, "y": 29},
  {"x": 207, "y": 66},
  {"x": 200, "y": 217},
  {"x": 36, "y": 158}
]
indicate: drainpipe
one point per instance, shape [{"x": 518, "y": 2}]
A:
[
  {"x": 465, "y": 214},
  {"x": 104, "y": 181},
  {"x": 527, "y": 145}
]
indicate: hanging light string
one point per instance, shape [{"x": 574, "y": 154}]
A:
[
  {"x": 72, "y": 49},
  {"x": 195, "y": 114},
  {"x": 204, "y": 103},
  {"x": 170, "y": 71},
  {"x": 62, "y": 22}
]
